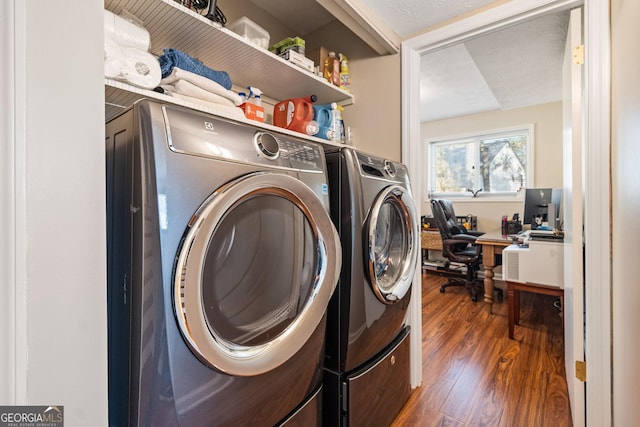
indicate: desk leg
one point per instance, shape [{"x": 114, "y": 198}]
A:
[
  {"x": 489, "y": 262},
  {"x": 488, "y": 284},
  {"x": 516, "y": 306},
  {"x": 512, "y": 309}
]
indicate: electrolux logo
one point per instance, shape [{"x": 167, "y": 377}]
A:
[
  {"x": 210, "y": 128},
  {"x": 31, "y": 416}
]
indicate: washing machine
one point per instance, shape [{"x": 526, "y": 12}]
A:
[
  {"x": 367, "y": 377},
  {"x": 222, "y": 258}
]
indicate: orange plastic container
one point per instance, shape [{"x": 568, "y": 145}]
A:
[
  {"x": 294, "y": 113},
  {"x": 253, "y": 112}
]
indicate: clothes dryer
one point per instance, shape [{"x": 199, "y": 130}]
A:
[
  {"x": 222, "y": 258},
  {"x": 367, "y": 353}
]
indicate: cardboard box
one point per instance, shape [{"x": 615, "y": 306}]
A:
[
  {"x": 289, "y": 43},
  {"x": 253, "y": 112},
  {"x": 318, "y": 56},
  {"x": 298, "y": 59}
]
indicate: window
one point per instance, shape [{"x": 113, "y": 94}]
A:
[{"x": 488, "y": 164}]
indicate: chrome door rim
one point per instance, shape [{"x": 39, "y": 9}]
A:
[
  {"x": 214, "y": 350},
  {"x": 404, "y": 200}
]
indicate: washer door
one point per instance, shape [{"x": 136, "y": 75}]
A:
[
  {"x": 391, "y": 237},
  {"x": 256, "y": 269}
]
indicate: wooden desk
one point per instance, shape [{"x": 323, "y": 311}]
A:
[
  {"x": 492, "y": 244},
  {"x": 513, "y": 297}
]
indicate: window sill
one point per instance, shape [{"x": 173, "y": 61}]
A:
[{"x": 480, "y": 198}]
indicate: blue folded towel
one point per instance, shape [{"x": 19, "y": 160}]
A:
[{"x": 175, "y": 58}]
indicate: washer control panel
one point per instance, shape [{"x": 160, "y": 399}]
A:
[
  {"x": 267, "y": 145},
  {"x": 197, "y": 133},
  {"x": 301, "y": 151}
]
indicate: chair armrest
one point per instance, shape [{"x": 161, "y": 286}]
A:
[
  {"x": 461, "y": 248},
  {"x": 475, "y": 233},
  {"x": 463, "y": 238}
]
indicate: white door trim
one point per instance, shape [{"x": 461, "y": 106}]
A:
[
  {"x": 13, "y": 235},
  {"x": 573, "y": 117},
  {"x": 489, "y": 20},
  {"x": 597, "y": 213},
  {"x": 411, "y": 157},
  {"x": 598, "y": 273}
]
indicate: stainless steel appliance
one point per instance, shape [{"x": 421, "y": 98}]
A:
[
  {"x": 367, "y": 354},
  {"x": 222, "y": 258}
]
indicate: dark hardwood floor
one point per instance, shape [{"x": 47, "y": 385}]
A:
[{"x": 474, "y": 375}]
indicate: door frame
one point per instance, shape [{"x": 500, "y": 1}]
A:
[
  {"x": 596, "y": 171},
  {"x": 573, "y": 196}
]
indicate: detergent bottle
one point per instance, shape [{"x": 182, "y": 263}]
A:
[
  {"x": 328, "y": 66},
  {"x": 331, "y": 70},
  {"x": 343, "y": 133},
  {"x": 322, "y": 116},
  {"x": 345, "y": 78},
  {"x": 336, "y": 123},
  {"x": 312, "y": 128},
  {"x": 295, "y": 114}
]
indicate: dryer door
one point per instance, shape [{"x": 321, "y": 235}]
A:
[
  {"x": 254, "y": 274},
  {"x": 392, "y": 254}
]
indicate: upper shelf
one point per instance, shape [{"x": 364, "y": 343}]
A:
[{"x": 172, "y": 25}]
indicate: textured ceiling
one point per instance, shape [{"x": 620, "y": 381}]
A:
[
  {"x": 515, "y": 67},
  {"x": 410, "y": 16}
]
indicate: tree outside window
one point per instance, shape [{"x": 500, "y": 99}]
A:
[{"x": 493, "y": 164}]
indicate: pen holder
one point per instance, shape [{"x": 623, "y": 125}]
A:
[{"x": 512, "y": 227}]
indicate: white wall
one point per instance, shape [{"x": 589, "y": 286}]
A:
[
  {"x": 547, "y": 121},
  {"x": 59, "y": 331},
  {"x": 375, "y": 117},
  {"x": 625, "y": 211}
]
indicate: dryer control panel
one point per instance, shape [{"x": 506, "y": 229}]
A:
[
  {"x": 376, "y": 167},
  {"x": 196, "y": 133}
]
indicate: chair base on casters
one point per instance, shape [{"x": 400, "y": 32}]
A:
[
  {"x": 473, "y": 287},
  {"x": 470, "y": 282}
]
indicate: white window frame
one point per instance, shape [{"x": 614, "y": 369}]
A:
[{"x": 481, "y": 197}]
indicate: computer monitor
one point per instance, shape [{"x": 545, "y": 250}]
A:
[
  {"x": 542, "y": 207},
  {"x": 556, "y": 200}
]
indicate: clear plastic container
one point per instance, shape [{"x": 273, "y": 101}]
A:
[{"x": 250, "y": 31}]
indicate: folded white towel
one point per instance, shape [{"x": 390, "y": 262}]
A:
[
  {"x": 229, "y": 111},
  {"x": 202, "y": 82},
  {"x": 183, "y": 87}
]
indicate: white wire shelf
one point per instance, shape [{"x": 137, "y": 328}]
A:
[{"x": 172, "y": 25}]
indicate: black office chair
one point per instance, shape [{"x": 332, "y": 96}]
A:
[{"x": 458, "y": 245}]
